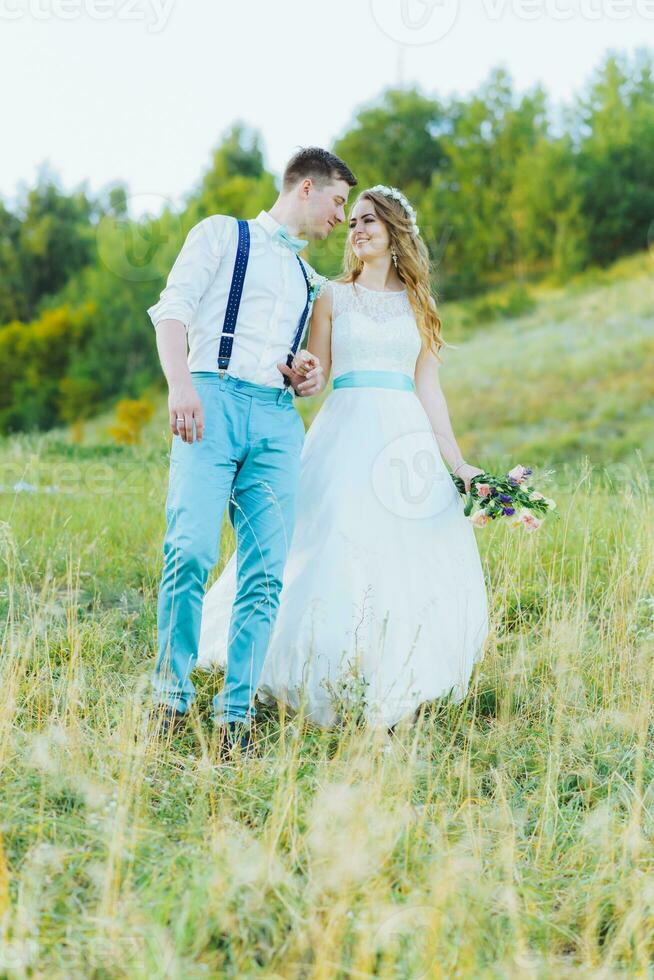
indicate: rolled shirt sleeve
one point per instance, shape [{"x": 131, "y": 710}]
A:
[{"x": 193, "y": 271}]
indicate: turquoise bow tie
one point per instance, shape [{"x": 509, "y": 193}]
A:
[{"x": 282, "y": 235}]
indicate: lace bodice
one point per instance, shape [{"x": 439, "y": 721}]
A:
[{"x": 372, "y": 331}]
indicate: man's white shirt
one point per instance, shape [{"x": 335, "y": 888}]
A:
[{"x": 274, "y": 296}]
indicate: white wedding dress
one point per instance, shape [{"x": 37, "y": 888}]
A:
[{"x": 383, "y": 601}]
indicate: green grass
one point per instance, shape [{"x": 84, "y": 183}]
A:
[{"x": 508, "y": 836}]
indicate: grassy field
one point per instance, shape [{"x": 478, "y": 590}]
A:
[{"x": 509, "y": 836}]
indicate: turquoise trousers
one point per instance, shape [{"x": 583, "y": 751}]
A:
[{"x": 249, "y": 461}]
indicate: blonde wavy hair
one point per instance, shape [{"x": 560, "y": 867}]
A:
[{"x": 413, "y": 266}]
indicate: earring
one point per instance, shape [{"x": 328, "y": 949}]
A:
[{"x": 394, "y": 257}]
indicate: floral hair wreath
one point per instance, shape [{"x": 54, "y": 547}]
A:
[{"x": 398, "y": 196}]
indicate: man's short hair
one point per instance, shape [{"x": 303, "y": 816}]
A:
[{"x": 320, "y": 165}]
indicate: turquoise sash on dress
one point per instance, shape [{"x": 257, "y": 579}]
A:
[{"x": 374, "y": 379}]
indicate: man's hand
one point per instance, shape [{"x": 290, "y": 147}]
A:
[
  {"x": 306, "y": 374},
  {"x": 184, "y": 405}
]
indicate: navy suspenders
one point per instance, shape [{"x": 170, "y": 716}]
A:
[
  {"x": 234, "y": 302},
  {"x": 303, "y": 320}
]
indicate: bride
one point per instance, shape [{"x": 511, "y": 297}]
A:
[{"x": 383, "y": 602}]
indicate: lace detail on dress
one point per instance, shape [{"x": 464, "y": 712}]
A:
[
  {"x": 372, "y": 331},
  {"x": 351, "y": 298}
]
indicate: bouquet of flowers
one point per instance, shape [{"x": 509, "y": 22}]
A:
[{"x": 508, "y": 496}]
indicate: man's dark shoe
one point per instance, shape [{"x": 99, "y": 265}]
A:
[
  {"x": 234, "y": 740},
  {"x": 167, "y": 720}
]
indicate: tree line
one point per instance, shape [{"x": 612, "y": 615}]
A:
[{"x": 508, "y": 188}]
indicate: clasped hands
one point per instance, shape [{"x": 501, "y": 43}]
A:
[{"x": 306, "y": 374}]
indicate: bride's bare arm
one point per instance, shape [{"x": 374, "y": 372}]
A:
[
  {"x": 320, "y": 331},
  {"x": 430, "y": 393}
]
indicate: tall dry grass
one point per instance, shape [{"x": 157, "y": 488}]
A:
[{"x": 510, "y": 835}]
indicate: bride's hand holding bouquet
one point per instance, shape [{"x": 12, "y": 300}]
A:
[
  {"x": 465, "y": 472},
  {"x": 509, "y": 496}
]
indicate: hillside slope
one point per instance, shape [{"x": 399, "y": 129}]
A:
[{"x": 571, "y": 378}]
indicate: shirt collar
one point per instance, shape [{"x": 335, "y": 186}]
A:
[{"x": 267, "y": 222}]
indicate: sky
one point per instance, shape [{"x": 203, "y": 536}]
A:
[{"x": 141, "y": 90}]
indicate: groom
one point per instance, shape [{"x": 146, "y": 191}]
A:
[{"x": 239, "y": 293}]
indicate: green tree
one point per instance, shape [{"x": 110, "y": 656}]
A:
[
  {"x": 468, "y": 217},
  {"x": 237, "y": 182},
  {"x": 56, "y": 238},
  {"x": 615, "y": 132},
  {"x": 396, "y": 140},
  {"x": 547, "y": 211},
  {"x": 34, "y": 357},
  {"x": 13, "y": 290}
]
